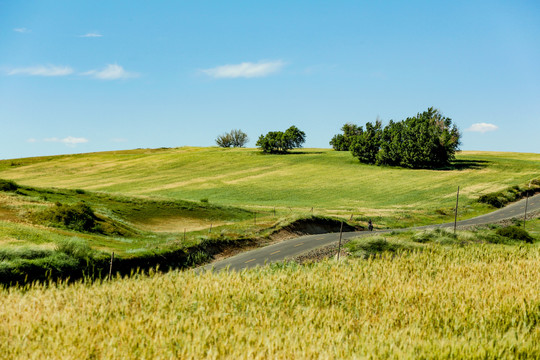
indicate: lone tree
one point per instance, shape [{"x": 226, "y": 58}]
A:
[
  {"x": 235, "y": 138},
  {"x": 278, "y": 142}
]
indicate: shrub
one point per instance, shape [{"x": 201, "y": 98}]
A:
[
  {"x": 440, "y": 236},
  {"x": 75, "y": 248},
  {"x": 79, "y": 217},
  {"x": 515, "y": 233},
  {"x": 373, "y": 247},
  {"x": 499, "y": 199},
  {"x": 8, "y": 185}
]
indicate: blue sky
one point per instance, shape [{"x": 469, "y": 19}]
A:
[{"x": 82, "y": 76}]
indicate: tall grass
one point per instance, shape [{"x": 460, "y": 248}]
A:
[{"x": 479, "y": 301}]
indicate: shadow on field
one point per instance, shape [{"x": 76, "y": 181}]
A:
[{"x": 467, "y": 165}]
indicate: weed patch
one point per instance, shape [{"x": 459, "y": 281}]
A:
[
  {"x": 515, "y": 233},
  {"x": 374, "y": 246}
]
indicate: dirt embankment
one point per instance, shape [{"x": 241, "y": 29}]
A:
[{"x": 311, "y": 226}]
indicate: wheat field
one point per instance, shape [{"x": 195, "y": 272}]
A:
[{"x": 477, "y": 301}]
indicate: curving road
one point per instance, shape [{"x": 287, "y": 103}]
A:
[{"x": 297, "y": 246}]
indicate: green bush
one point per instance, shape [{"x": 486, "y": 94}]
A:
[
  {"x": 75, "y": 248},
  {"x": 499, "y": 199},
  {"x": 373, "y": 247},
  {"x": 8, "y": 185},
  {"x": 78, "y": 217},
  {"x": 441, "y": 236},
  {"x": 515, "y": 233}
]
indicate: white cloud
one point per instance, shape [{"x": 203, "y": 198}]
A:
[
  {"x": 69, "y": 141},
  {"x": 482, "y": 127},
  {"x": 245, "y": 70},
  {"x": 49, "y": 70},
  {"x": 31, "y": 140},
  {"x": 22, "y": 30},
  {"x": 111, "y": 72},
  {"x": 91, "y": 35}
]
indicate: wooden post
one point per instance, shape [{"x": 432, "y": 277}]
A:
[
  {"x": 184, "y": 234},
  {"x": 274, "y": 211},
  {"x": 340, "y": 234},
  {"x": 455, "y": 217},
  {"x": 526, "y": 204},
  {"x": 209, "y": 231},
  {"x": 351, "y": 217},
  {"x": 312, "y": 210},
  {"x": 110, "y": 266}
]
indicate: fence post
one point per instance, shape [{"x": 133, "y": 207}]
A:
[
  {"x": 455, "y": 217},
  {"x": 340, "y": 233},
  {"x": 110, "y": 266},
  {"x": 526, "y": 204}
]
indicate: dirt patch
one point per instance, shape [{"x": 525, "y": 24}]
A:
[
  {"x": 8, "y": 214},
  {"x": 311, "y": 227}
]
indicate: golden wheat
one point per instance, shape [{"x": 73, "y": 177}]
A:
[{"x": 474, "y": 302}]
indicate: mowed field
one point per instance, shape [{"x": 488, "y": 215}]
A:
[{"x": 326, "y": 180}]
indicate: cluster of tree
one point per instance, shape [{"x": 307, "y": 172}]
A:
[
  {"x": 342, "y": 142},
  {"x": 279, "y": 142},
  {"x": 235, "y": 138},
  {"x": 427, "y": 140}
]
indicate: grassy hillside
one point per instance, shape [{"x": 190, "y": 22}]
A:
[
  {"x": 328, "y": 181},
  {"x": 469, "y": 301},
  {"x": 149, "y": 203}
]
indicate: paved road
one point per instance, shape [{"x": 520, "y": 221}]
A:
[{"x": 297, "y": 246}]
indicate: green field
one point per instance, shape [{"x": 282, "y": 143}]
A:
[
  {"x": 151, "y": 202},
  {"x": 323, "y": 179}
]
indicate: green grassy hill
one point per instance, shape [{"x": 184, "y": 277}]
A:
[
  {"x": 324, "y": 179},
  {"x": 147, "y": 203}
]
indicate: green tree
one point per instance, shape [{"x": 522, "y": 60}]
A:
[
  {"x": 234, "y": 138},
  {"x": 342, "y": 142},
  {"x": 427, "y": 140},
  {"x": 366, "y": 145},
  {"x": 278, "y": 142}
]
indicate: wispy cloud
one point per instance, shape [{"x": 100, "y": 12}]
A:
[
  {"x": 482, "y": 127},
  {"x": 22, "y": 30},
  {"x": 245, "y": 70},
  {"x": 92, "y": 35},
  {"x": 69, "y": 141},
  {"x": 49, "y": 70},
  {"x": 111, "y": 72}
]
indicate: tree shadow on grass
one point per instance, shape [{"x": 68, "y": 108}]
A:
[
  {"x": 467, "y": 165},
  {"x": 293, "y": 153}
]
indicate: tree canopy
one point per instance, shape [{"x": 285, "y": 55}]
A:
[
  {"x": 235, "y": 138},
  {"x": 278, "y": 142},
  {"x": 342, "y": 142},
  {"x": 427, "y": 140}
]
